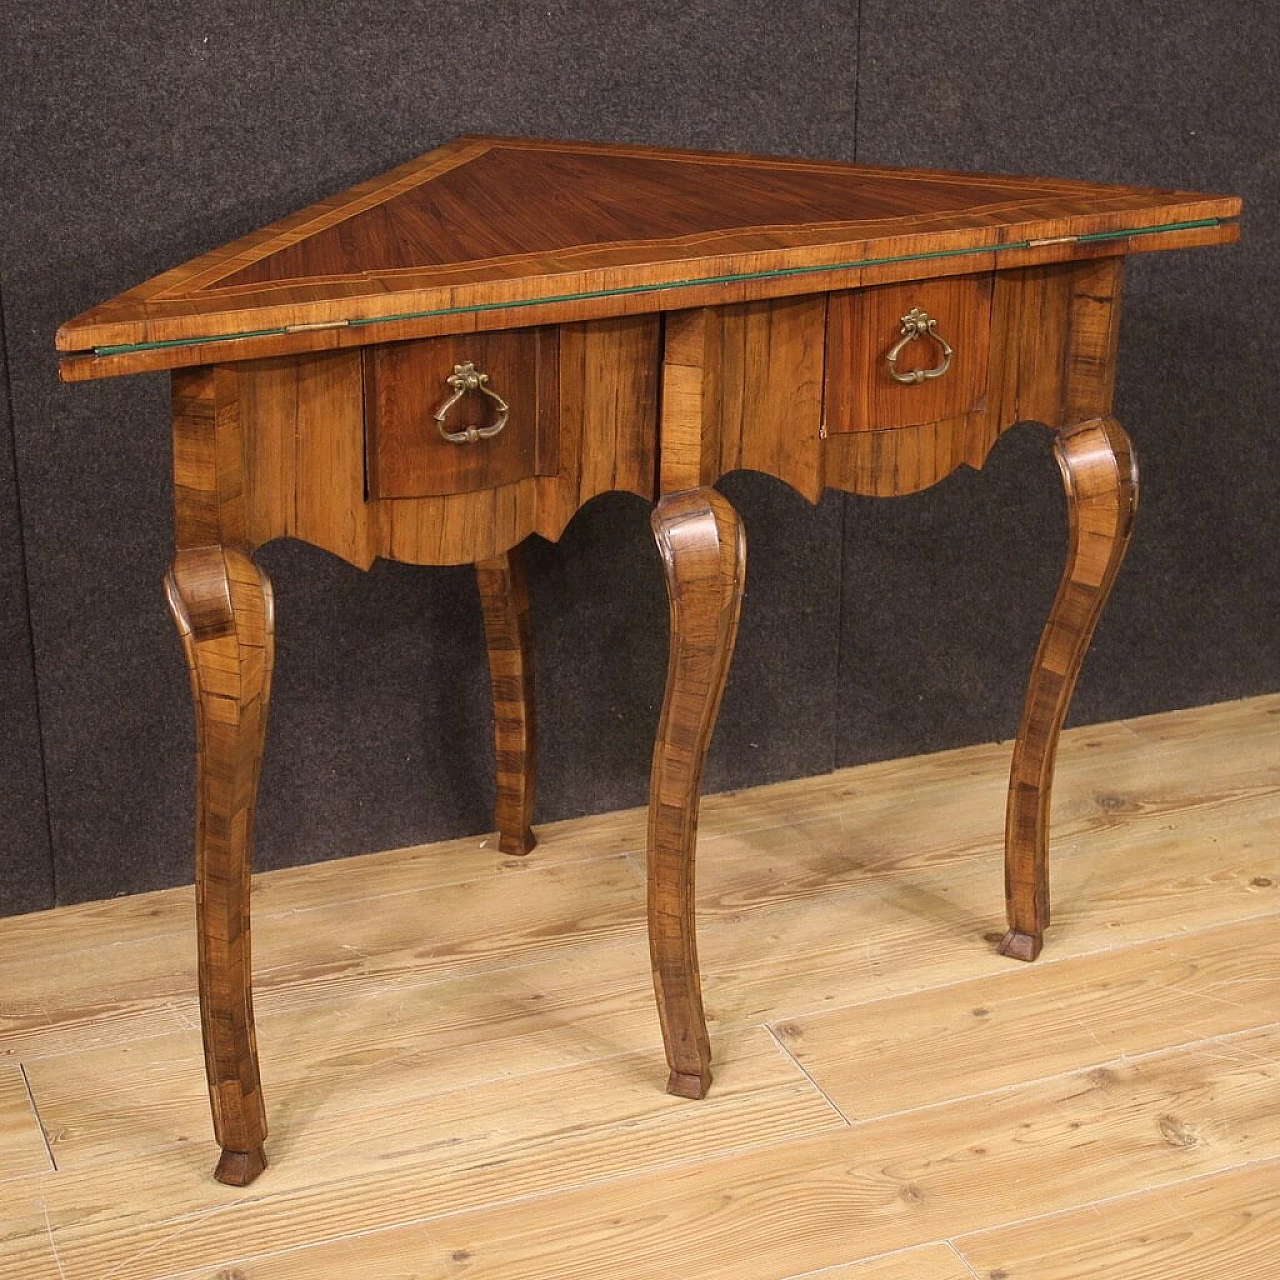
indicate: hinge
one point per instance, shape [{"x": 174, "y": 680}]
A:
[
  {"x": 1036, "y": 244},
  {"x": 318, "y": 324}
]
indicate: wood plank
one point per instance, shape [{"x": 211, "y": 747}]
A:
[
  {"x": 1114, "y": 884},
  {"x": 26, "y": 1218},
  {"x": 1223, "y": 1225},
  {"x": 969, "y": 1037},
  {"x": 1173, "y": 750},
  {"x": 1170, "y": 872},
  {"x": 932, "y": 1262},
  {"x": 520, "y": 1136},
  {"x": 916, "y": 1178},
  {"x": 540, "y": 1016},
  {"x": 919, "y": 932},
  {"x": 22, "y": 1148},
  {"x": 463, "y": 925},
  {"x": 492, "y": 1111},
  {"x": 356, "y": 1092}
]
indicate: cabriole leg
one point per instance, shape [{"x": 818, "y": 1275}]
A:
[
  {"x": 1100, "y": 474},
  {"x": 703, "y": 553},
  {"x": 504, "y": 602},
  {"x": 222, "y": 606}
]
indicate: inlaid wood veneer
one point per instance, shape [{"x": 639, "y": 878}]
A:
[{"x": 443, "y": 360}]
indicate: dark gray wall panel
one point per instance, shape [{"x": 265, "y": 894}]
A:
[
  {"x": 139, "y": 135},
  {"x": 378, "y": 731},
  {"x": 26, "y": 867},
  {"x": 779, "y": 712},
  {"x": 1165, "y": 95},
  {"x": 943, "y": 594}
]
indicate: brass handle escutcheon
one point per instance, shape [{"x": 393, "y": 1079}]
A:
[
  {"x": 464, "y": 378},
  {"x": 918, "y": 324}
]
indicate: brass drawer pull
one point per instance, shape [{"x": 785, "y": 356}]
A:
[
  {"x": 464, "y": 378},
  {"x": 918, "y": 324}
]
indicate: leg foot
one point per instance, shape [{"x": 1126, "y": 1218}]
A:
[
  {"x": 682, "y": 1086},
  {"x": 504, "y": 601},
  {"x": 703, "y": 552},
  {"x": 1100, "y": 475},
  {"x": 239, "y": 1168},
  {"x": 222, "y": 607},
  {"x": 518, "y": 843},
  {"x": 1020, "y": 946}
]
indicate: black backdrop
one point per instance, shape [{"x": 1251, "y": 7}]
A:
[{"x": 137, "y": 135}]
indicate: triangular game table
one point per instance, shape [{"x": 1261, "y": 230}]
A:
[{"x": 441, "y": 361}]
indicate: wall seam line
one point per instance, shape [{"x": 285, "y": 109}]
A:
[
  {"x": 845, "y": 498},
  {"x": 26, "y": 602}
]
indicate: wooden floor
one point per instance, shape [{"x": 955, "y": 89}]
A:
[{"x": 464, "y": 1075}]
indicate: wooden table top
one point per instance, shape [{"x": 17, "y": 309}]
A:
[{"x": 495, "y": 232}]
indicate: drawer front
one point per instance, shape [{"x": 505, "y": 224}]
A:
[
  {"x": 407, "y": 383},
  {"x": 866, "y": 325}
]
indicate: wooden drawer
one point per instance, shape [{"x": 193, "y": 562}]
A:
[
  {"x": 863, "y": 326},
  {"x": 405, "y": 383}
]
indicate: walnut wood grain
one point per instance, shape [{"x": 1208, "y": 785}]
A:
[
  {"x": 301, "y": 420},
  {"x": 607, "y": 415},
  {"x": 1089, "y": 362},
  {"x": 771, "y": 390},
  {"x": 597, "y": 231},
  {"x": 639, "y": 303},
  {"x": 405, "y": 383},
  {"x": 864, "y": 325},
  {"x": 689, "y": 447},
  {"x": 1053, "y": 335},
  {"x": 221, "y": 604},
  {"x": 210, "y": 482},
  {"x": 504, "y": 602},
  {"x": 1100, "y": 475},
  {"x": 656, "y": 319},
  {"x": 744, "y": 384},
  {"x": 704, "y": 556}
]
